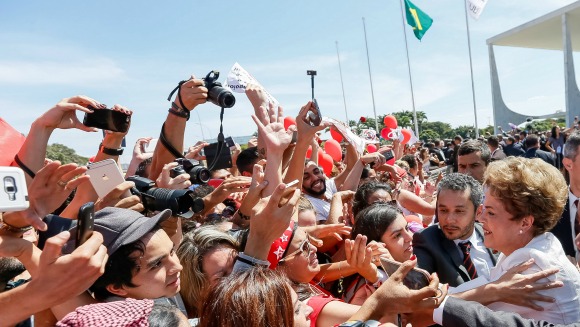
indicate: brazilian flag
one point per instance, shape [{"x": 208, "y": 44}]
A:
[{"x": 417, "y": 19}]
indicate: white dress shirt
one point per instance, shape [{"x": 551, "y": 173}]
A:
[{"x": 479, "y": 254}]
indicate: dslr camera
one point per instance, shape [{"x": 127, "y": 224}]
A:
[
  {"x": 181, "y": 202},
  {"x": 216, "y": 93},
  {"x": 198, "y": 174}
]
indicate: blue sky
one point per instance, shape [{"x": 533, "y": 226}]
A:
[{"x": 134, "y": 52}]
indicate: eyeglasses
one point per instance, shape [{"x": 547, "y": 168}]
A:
[{"x": 303, "y": 248}]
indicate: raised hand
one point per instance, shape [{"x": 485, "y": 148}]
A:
[
  {"x": 118, "y": 198},
  {"x": 63, "y": 114},
  {"x": 193, "y": 93},
  {"x": 178, "y": 182}
]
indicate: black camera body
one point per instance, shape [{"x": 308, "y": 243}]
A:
[
  {"x": 181, "y": 202},
  {"x": 198, "y": 174},
  {"x": 216, "y": 93}
]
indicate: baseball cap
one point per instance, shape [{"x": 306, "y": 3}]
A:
[{"x": 120, "y": 227}]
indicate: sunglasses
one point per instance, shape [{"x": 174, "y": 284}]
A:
[{"x": 303, "y": 248}]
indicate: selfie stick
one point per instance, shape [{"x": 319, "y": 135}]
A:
[{"x": 312, "y": 73}]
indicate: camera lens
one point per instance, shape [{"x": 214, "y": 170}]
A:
[
  {"x": 199, "y": 175},
  {"x": 221, "y": 97},
  {"x": 178, "y": 201}
]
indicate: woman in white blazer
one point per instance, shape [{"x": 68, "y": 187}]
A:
[{"x": 524, "y": 199}]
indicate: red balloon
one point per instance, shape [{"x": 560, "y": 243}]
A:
[
  {"x": 309, "y": 152},
  {"x": 336, "y": 135},
  {"x": 326, "y": 164},
  {"x": 332, "y": 147},
  {"x": 289, "y": 121},
  {"x": 406, "y": 136},
  {"x": 390, "y": 121},
  {"x": 385, "y": 132},
  {"x": 320, "y": 155},
  {"x": 371, "y": 148}
]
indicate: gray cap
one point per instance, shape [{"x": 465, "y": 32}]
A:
[{"x": 120, "y": 227}]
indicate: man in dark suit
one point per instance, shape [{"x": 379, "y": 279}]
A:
[
  {"x": 566, "y": 230},
  {"x": 458, "y": 313},
  {"x": 533, "y": 150},
  {"x": 454, "y": 248},
  {"x": 512, "y": 148}
]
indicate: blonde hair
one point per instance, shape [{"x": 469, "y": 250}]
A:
[
  {"x": 194, "y": 246},
  {"x": 528, "y": 187}
]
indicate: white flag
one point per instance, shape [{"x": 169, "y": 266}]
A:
[
  {"x": 238, "y": 78},
  {"x": 475, "y": 7}
]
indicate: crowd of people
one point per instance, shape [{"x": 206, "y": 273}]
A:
[{"x": 281, "y": 241}]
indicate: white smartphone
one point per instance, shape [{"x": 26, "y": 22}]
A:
[
  {"x": 105, "y": 176},
  {"x": 150, "y": 147},
  {"x": 13, "y": 190}
]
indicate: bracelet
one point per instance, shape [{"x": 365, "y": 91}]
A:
[
  {"x": 244, "y": 217},
  {"x": 179, "y": 112},
  {"x": 25, "y": 168},
  {"x": 110, "y": 151},
  {"x": 12, "y": 229}
]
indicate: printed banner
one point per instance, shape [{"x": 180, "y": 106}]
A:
[
  {"x": 350, "y": 137},
  {"x": 238, "y": 78}
]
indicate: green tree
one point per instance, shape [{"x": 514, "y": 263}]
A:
[
  {"x": 487, "y": 129},
  {"x": 428, "y": 134},
  {"x": 405, "y": 118},
  {"x": 444, "y": 130},
  {"x": 466, "y": 131},
  {"x": 64, "y": 154}
]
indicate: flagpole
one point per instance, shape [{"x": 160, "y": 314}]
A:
[
  {"x": 370, "y": 77},
  {"x": 409, "y": 68},
  {"x": 342, "y": 83},
  {"x": 471, "y": 69}
]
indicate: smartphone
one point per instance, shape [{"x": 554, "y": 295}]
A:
[
  {"x": 85, "y": 223},
  {"x": 416, "y": 278},
  {"x": 215, "y": 182},
  {"x": 389, "y": 154},
  {"x": 230, "y": 142},
  {"x": 107, "y": 119},
  {"x": 105, "y": 176},
  {"x": 150, "y": 147},
  {"x": 13, "y": 190},
  {"x": 211, "y": 156},
  {"x": 314, "y": 117}
]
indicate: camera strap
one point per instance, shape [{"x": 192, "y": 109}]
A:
[
  {"x": 178, "y": 90},
  {"x": 167, "y": 145},
  {"x": 220, "y": 141}
]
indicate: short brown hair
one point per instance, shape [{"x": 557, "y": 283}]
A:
[
  {"x": 528, "y": 187},
  {"x": 255, "y": 298}
]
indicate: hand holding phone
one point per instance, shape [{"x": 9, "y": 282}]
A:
[
  {"x": 107, "y": 119},
  {"x": 105, "y": 176},
  {"x": 416, "y": 278},
  {"x": 313, "y": 116},
  {"x": 85, "y": 223},
  {"x": 13, "y": 190}
]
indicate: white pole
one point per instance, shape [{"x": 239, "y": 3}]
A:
[
  {"x": 370, "y": 77},
  {"x": 341, "y": 83},
  {"x": 409, "y": 68},
  {"x": 471, "y": 70}
]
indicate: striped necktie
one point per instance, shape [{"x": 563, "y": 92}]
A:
[
  {"x": 467, "y": 263},
  {"x": 577, "y": 220}
]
